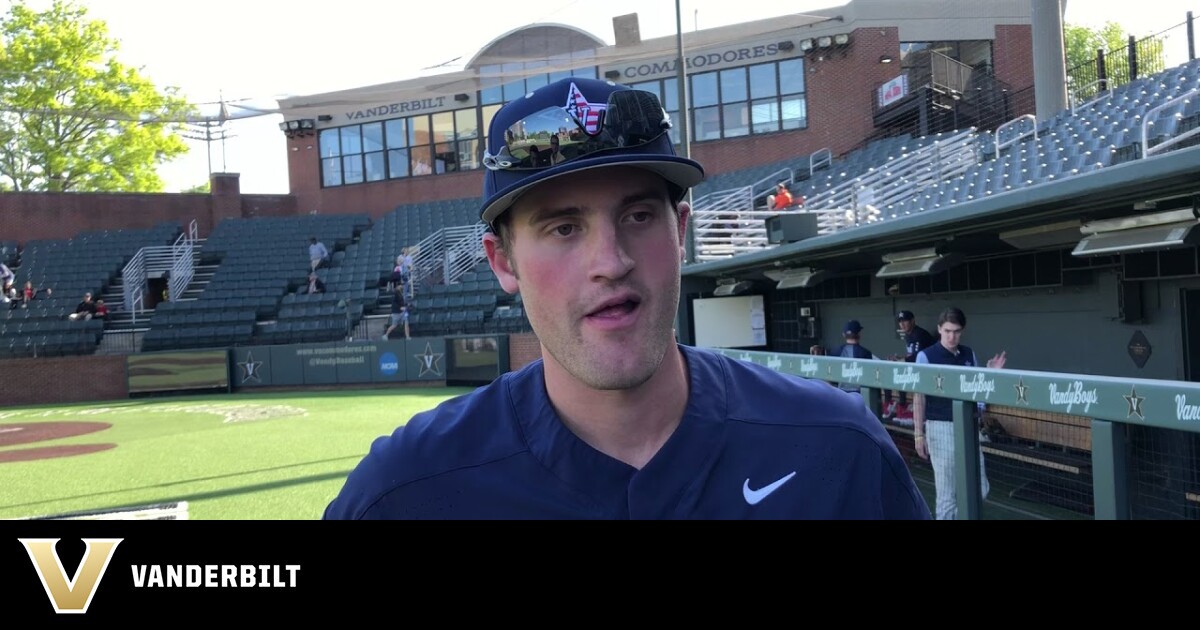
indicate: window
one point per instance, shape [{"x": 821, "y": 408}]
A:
[
  {"x": 793, "y": 105},
  {"x": 374, "y": 161},
  {"x": 396, "y": 131},
  {"x": 763, "y": 98},
  {"x": 735, "y": 113},
  {"x": 735, "y": 102},
  {"x": 490, "y": 91},
  {"x": 444, "y": 142}
]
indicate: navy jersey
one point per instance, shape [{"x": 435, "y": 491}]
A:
[
  {"x": 752, "y": 444},
  {"x": 916, "y": 341},
  {"x": 937, "y": 408},
  {"x": 853, "y": 351}
]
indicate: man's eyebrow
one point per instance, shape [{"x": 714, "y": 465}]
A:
[
  {"x": 647, "y": 195},
  {"x": 542, "y": 215}
]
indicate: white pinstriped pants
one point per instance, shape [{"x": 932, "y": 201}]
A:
[{"x": 939, "y": 437}]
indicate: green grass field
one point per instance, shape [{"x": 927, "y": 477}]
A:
[
  {"x": 243, "y": 456},
  {"x": 256, "y": 456}
]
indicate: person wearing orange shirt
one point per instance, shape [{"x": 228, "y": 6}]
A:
[{"x": 783, "y": 197}]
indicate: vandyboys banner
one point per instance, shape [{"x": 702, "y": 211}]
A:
[{"x": 1160, "y": 403}]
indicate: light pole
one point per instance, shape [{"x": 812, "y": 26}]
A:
[{"x": 684, "y": 135}]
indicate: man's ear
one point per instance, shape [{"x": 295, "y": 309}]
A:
[
  {"x": 685, "y": 212},
  {"x": 500, "y": 263}
]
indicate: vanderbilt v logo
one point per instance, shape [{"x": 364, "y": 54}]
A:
[{"x": 74, "y": 595}]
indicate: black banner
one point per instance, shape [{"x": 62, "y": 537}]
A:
[
  {"x": 156, "y": 573},
  {"x": 299, "y": 573}
]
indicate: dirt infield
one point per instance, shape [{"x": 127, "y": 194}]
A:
[
  {"x": 14, "y": 434},
  {"x": 51, "y": 452}
]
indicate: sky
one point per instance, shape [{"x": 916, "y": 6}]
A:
[{"x": 251, "y": 52}]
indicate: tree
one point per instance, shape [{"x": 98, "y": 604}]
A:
[
  {"x": 1080, "y": 44},
  {"x": 204, "y": 188},
  {"x": 74, "y": 118}
]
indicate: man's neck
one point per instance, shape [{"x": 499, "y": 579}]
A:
[
  {"x": 951, "y": 349},
  {"x": 628, "y": 425}
]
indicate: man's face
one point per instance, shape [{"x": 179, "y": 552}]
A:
[
  {"x": 596, "y": 257},
  {"x": 951, "y": 334},
  {"x": 906, "y": 326}
]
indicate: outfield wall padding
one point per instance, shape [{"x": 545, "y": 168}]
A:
[{"x": 56, "y": 380}]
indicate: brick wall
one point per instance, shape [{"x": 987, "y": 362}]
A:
[
  {"x": 1012, "y": 54},
  {"x": 57, "y": 380},
  {"x": 523, "y": 349},
  {"x": 840, "y": 91},
  {"x": 31, "y": 216}
]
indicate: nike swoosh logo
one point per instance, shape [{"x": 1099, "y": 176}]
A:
[{"x": 754, "y": 496}]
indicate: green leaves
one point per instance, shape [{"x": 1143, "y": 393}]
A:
[
  {"x": 72, "y": 116},
  {"x": 1080, "y": 44}
]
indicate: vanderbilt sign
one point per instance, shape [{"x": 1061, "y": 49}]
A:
[
  {"x": 74, "y": 594},
  {"x": 393, "y": 109}
]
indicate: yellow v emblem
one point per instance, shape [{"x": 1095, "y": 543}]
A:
[{"x": 70, "y": 595}]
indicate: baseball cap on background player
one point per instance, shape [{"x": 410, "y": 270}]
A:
[
  {"x": 904, "y": 316},
  {"x": 598, "y": 123},
  {"x": 852, "y": 327}
]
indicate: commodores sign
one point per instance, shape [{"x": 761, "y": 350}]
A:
[{"x": 702, "y": 60}]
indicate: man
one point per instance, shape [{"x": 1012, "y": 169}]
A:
[
  {"x": 402, "y": 273},
  {"x": 617, "y": 420},
  {"x": 399, "y": 313},
  {"x": 85, "y": 309},
  {"x": 317, "y": 254},
  {"x": 933, "y": 417},
  {"x": 853, "y": 349},
  {"x": 315, "y": 285},
  {"x": 916, "y": 339},
  {"x": 556, "y": 155},
  {"x": 783, "y": 196}
]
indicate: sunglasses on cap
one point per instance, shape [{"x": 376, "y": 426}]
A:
[{"x": 556, "y": 135}]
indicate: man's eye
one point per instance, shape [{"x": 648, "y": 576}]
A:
[
  {"x": 565, "y": 229},
  {"x": 641, "y": 217}
]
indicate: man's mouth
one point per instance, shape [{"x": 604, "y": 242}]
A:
[{"x": 616, "y": 307}]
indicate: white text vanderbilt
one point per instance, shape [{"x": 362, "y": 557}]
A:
[{"x": 215, "y": 575}]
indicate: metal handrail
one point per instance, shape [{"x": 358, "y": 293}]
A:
[
  {"x": 136, "y": 303},
  {"x": 901, "y": 178},
  {"x": 1172, "y": 140},
  {"x": 1106, "y": 94},
  {"x": 825, "y": 159},
  {"x": 133, "y": 280},
  {"x": 446, "y": 254},
  {"x": 464, "y": 250},
  {"x": 771, "y": 181},
  {"x": 183, "y": 266},
  {"x": 1001, "y": 146}
]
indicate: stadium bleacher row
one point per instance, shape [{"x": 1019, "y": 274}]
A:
[
  {"x": 893, "y": 177},
  {"x": 257, "y": 293},
  {"x": 62, "y": 271}
]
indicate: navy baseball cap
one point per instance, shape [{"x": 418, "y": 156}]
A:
[
  {"x": 904, "y": 316},
  {"x": 575, "y": 124},
  {"x": 852, "y": 327}
]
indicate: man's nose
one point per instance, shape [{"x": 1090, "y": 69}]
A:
[{"x": 609, "y": 258}]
